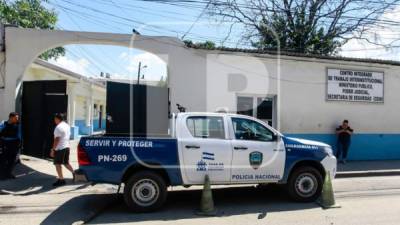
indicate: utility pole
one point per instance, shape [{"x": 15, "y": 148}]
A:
[{"x": 138, "y": 73}]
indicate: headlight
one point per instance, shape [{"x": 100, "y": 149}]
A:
[{"x": 328, "y": 150}]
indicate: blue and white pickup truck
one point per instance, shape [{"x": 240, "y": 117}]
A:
[{"x": 231, "y": 149}]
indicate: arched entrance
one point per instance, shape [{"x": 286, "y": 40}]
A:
[{"x": 24, "y": 45}]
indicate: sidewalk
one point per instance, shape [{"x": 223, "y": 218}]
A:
[
  {"x": 33, "y": 196},
  {"x": 368, "y": 168}
]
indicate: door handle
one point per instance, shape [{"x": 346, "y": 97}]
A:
[
  {"x": 240, "y": 148},
  {"x": 192, "y": 146}
]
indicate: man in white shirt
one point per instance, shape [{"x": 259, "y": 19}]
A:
[{"x": 60, "y": 150}]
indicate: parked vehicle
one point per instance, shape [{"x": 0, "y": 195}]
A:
[{"x": 231, "y": 149}]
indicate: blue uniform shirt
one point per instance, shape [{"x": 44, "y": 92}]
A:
[{"x": 2, "y": 126}]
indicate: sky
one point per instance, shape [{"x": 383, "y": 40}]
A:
[{"x": 150, "y": 18}]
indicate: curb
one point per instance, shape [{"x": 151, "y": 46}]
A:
[{"x": 368, "y": 173}]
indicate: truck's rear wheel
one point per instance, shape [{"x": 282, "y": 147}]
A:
[
  {"x": 305, "y": 184},
  {"x": 145, "y": 191}
]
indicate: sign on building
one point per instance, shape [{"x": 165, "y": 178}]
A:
[{"x": 354, "y": 85}]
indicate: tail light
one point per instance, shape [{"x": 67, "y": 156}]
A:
[{"x": 83, "y": 158}]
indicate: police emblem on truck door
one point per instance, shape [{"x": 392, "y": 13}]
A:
[{"x": 255, "y": 159}]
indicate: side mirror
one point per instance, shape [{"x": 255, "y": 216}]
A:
[{"x": 277, "y": 138}]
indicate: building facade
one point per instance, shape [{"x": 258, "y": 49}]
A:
[
  {"x": 86, "y": 98},
  {"x": 308, "y": 96},
  {"x": 294, "y": 90}
]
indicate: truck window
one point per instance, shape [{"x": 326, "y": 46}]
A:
[
  {"x": 206, "y": 126},
  {"x": 246, "y": 129}
]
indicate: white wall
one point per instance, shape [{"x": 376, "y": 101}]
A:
[
  {"x": 303, "y": 108},
  {"x": 198, "y": 80},
  {"x": 2, "y": 70}
]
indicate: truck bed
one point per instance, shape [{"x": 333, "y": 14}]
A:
[{"x": 109, "y": 156}]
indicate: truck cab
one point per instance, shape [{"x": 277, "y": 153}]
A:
[{"x": 229, "y": 148}]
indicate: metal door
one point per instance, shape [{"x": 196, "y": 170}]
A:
[{"x": 40, "y": 101}]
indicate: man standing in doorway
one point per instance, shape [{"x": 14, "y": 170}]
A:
[
  {"x": 10, "y": 139},
  {"x": 60, "y": 150},
  {"x": 344, "y": 133}
]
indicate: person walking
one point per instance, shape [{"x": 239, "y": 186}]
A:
[
  {"x": 10, "y": 139},
  {"x": 60, "y": 151},
  {"x": 344, "y": 133}
]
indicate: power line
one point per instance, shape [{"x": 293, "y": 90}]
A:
[
  {"x": 199, "y": 37},
  {"x": 268, "y": 9},
  {"x": 117, "y": 65},
  {"x": 207, "y": 38},
  {"x": 194, "y": 22}
]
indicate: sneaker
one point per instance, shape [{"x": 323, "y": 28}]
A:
[{"x": 59, "y": 183}]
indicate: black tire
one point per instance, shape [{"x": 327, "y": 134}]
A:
[
  {"x": 145, "y": 191},
  {"x": 305, "y": 184}
]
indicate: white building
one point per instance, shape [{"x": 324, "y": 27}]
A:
[
  {"x": 302, "y": 95},
  {"x": 305, "y": 96},
  {"x": 86, "y": 98}
]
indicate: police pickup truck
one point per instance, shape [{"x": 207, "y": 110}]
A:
[{"x": 231, "y": 149}]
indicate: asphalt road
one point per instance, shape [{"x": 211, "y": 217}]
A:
[
  {"x": 372, "y": 200},
  {"x": 30, "y": 199}
]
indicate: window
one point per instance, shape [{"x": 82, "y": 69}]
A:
[
  {"x": 259, "y": 107},
  {"x": 265, "y": 109},
  {"x": 246, "y": 129},
  {"x": 206, "y": 126},
  {"x": 245, "y": 106}
]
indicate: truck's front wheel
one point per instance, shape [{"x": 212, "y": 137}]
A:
[
  {"x": 305, "y": 184},
  {"x": 145, "y": 191}
]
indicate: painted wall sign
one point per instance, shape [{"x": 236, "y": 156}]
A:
[{"x": 355, "y": 86}]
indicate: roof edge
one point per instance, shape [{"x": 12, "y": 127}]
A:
[{"x": 297, "y": 54}]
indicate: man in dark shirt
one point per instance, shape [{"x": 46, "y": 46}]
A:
[
  {"x": 10, "y": 138},
  {"x": 344, "y": 133}
]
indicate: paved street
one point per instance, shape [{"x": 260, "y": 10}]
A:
[
  {"x": 31, "y": 200},
  {"x": 363, "y": 200}
]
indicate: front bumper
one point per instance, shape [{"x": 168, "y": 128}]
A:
[
  {"x": 80, "y": 176},
  {"x": 330, "y": 164}
]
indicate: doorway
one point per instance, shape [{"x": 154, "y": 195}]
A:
[{"x": 40, "y": 101}]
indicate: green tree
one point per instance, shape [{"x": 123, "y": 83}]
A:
[
  {"x": 31, "y": 14},
  {"x": 305, "y": 26},
  {"x": 203, "y": 45}
]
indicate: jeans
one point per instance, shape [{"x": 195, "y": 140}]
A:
[{"x": 342, "y": 150}]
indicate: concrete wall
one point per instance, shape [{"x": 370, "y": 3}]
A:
[
  {"x": 210, "y": 80},
  {"x": 300, "y": 87},
  {"x": 24, "y": 45},
  {"x": 302, "y": 92},
  {"x": 2, "y": 71}
]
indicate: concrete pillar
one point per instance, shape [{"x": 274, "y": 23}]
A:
[
  {"x": 72, "y": 111},
  {"x": 89, "y": 110},
  {"x": 71, "y": 104}
]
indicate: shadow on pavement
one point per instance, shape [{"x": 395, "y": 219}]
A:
[
  {"x": 228, "y": 201},
  {"x": 80, "y": 208},
  {"x": 28, "y": 182}
]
